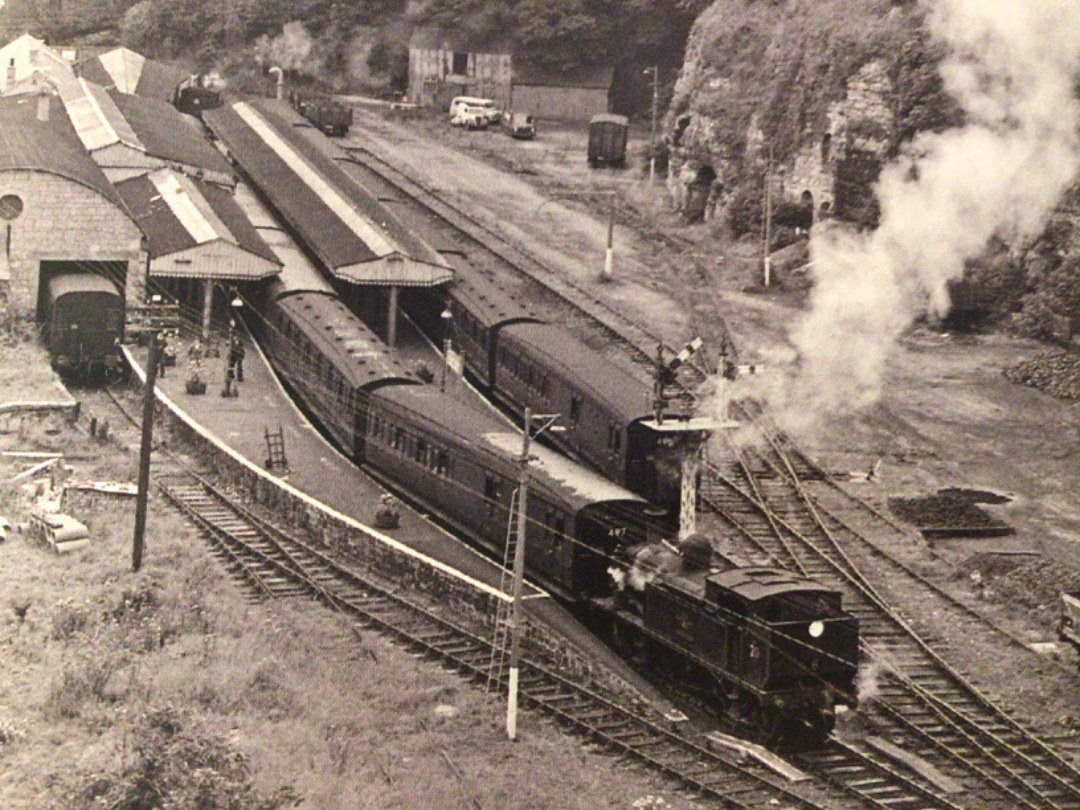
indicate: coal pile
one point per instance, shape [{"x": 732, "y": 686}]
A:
[
  {"x": 1056, "y": 373},
  {"x": 1031, "y": 582},
  {"x": 951, "y": 513}
]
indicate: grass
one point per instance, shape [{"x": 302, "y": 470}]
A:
[{"x": 169, "y": 688}]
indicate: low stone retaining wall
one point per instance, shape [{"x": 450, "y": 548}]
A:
[{"x": 472, "y": 603}]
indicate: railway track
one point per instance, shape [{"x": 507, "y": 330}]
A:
[
  {"x": 930, "y": 707},
  {"x": 936, "y": 713},
  {"x": 273, "y": 564}
]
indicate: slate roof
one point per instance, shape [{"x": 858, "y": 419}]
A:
[
  {"x": 48, "y": 146},
  {"x": 166, "y": 133},
  {"x": 132, "y": 73},
  {"x": 357, "y": 238},
  {"x": 178, "y": 213}
]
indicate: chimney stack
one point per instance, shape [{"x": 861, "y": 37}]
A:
[{"x": 43, "y": 105}]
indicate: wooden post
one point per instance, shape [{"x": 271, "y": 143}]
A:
[{"x": 145, "y": 448}]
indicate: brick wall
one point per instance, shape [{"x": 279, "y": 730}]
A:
[{"x": 63, "y": 220}]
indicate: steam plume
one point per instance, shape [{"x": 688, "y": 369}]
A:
[{"x": 1011, "y": 66}]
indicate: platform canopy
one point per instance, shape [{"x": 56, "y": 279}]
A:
[
  {"x": 347, "y": 228},
  {"x": 196, "y": 229}
]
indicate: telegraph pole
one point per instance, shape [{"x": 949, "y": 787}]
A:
[
  {"x": 145, "y": 448},
  {"x": 159, "y": 317},
  {"x": 519, "y": 564}
]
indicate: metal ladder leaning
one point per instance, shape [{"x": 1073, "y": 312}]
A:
[{"x": 500, "y": 643}]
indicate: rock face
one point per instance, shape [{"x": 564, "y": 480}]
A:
[{"x": 828, "y": 88}]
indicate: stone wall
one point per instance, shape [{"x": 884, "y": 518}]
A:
[
  {"x": 62, "y": 220},
  {"x": 361, "y": 547}
]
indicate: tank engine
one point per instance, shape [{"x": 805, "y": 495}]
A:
[{"x": 771, "y": 649}]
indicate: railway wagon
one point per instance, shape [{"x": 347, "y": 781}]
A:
[
  {"x": 84, "y": 321},
  {"x": 328, "y": 116},
  {"x": 607, "y": 140},
  {"x": 326, "y": 354}
]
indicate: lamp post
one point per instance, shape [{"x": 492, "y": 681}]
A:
[
  {"x": 655, "y": 72},
  {"x": 546, "y": 421},
  {"x": 609, "y": 253},
  {"x": 447, "y": 316}
]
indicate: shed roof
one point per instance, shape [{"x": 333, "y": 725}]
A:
[
  {"x": 53, "y": 146},
  {"x": 434, "y": 38},
  {"x": 593, "y": 77},
  {"x": 343, "y": 224},
  {"x": 132, "y": 73},
  {"x": 96, "y": 118},
  {"x": 178, "y": 213},
  {"x": 168, "y": 134}
]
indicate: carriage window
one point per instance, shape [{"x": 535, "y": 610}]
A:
[
  {"x": 575, "y": 409},
  {"x": 421, "y": 451},
  {"x": 442, "y": 463},
  {"x": 491, "y": 488},
  {"x": 614, "y": 438},
  {"x": 544, "y": 386},
  {"x": 399, "y": 438}
]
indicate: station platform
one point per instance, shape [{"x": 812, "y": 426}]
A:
[{"x": 317, "y": 469}]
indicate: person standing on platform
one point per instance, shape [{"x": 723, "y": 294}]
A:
[{"x": 236, "y": 356}]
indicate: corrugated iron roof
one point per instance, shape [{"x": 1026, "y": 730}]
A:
[
  {"x": 345, "y": 226},
  {"x": 178, "y": 213},
  {"x": 49, "y": 146}
]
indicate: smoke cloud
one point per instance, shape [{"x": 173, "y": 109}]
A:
[{"x": 1012, "y": 68}]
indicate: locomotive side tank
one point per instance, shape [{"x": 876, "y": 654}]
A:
[
  {"x": 772, "y": 649},
  {"x": 84, "y": 321}
]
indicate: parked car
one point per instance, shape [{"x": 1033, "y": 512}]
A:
[
  {"x": 470, "y": 118},
  {"x": 483, "y": 106},
  {"x": 521, "y": 126}
]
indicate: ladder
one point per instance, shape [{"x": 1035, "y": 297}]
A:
[
  {"x": 275, "y": 450},
  {"x": 502, "y": 638}
]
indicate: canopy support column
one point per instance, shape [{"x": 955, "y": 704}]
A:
[
  {"x": 391, "y": 319},
  {"x": 208, "y": 303}
]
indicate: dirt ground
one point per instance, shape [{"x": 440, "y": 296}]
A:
[{"x": 947, "y": 417}]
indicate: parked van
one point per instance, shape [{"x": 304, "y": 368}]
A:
[
  {"x": 483, "y": 106},
  {"x": 520, "y": 125}
]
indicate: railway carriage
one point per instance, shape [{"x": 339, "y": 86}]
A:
[
  {"x": 525, "y": 362},
  {"x": 465, "y": 462},
  {"x": 84, "y": 321},
  {"x": 327, "y": 355}
]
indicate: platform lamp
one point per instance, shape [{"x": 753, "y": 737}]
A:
[
  {"x": 447, "y": 316},
  {"x": 654, "y": 71}
]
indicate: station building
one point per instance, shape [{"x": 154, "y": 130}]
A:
[{"x": 58, "y": 210}]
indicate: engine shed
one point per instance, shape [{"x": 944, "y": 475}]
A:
[{"x": 58, "y": 211}]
